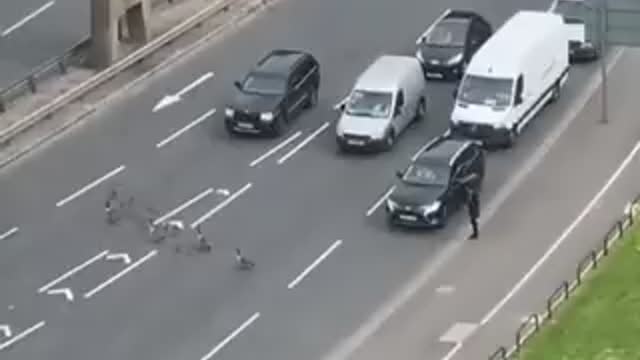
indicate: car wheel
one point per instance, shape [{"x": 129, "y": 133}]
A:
[
  {"x": 278, "y": 126},
  {"x": 511, "y": 138},
  {"x": 389, "y": 140},
  {"x": 229, "y": 128},
  {"x": 444, "y": 216},
  {"x": 421, "y": 110},
  {"x": 312, "y": 98}
]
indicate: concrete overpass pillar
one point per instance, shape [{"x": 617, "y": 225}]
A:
[{"x": 109, "y": 19}]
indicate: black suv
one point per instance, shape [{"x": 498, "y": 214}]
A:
[
  {"x": 447, "y": 46},
  {"x": 436, "y": 184},
  {"x": 275, "y": 91}
]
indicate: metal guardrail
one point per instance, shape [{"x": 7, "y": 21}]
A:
[
  {"x": 57, "y": 64},
  {"x": 77, "y": 92},
  {"x": 563, "y": 292}
]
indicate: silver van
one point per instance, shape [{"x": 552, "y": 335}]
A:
[{"x": 386, "y": 98}]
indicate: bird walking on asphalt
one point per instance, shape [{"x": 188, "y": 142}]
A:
[
  {"x": 203, "y": 244},
  {"x": 109, "y": 205},
  {"x": 242, "y": 262}
]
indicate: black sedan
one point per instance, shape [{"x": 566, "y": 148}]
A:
[
  {"x": 275, "y": 91},
  {"x": 435, "y": 184},
  {"x": 447, "y": 46}
]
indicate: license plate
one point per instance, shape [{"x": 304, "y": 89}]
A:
[
  {"x": 435, "y": 75},
  {"x": 355, "y": 142},
  {"x": 408, "y": 217},
  {"x": 245, "y": 125}
]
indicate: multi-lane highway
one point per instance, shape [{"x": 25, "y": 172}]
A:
[
  {"x": 305, "y": 214},
  {"x": 34, "y": 31}
]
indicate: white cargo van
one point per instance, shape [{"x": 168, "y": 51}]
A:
[{"x": 522, "y": 67}]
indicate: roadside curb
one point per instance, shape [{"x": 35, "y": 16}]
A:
[{"x": 179, "y": 56}]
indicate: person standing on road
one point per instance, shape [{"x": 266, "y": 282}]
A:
[{"x": 473, "y": 206}]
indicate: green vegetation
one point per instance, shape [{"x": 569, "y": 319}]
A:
[{"x": 602, "y": 320}]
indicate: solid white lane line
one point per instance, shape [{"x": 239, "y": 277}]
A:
[
  {"x": 9, "y": 233},
  {"x": 191, "y": 125},
  {"x": 22, "y": 335},
  {"x": 563, "y": 236},
  {"x": 183, "y": 206},
  {"x": 73, "y": 271},
  {"x": 91, "y": 185},
  {"x": 27, "y": 18},
  {"x": 304, "y": 142},
  {"x": 221, "y": 206},
  {"x": 453, "y": 351},
  {"x": 314, "y": 264},
  {"x": 275, "y": 149},
  {"x": 122, "y": 273},
  {"x": 232, "y": 336},
  {"x": 380, "y": 201}
]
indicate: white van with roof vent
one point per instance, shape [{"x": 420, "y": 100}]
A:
[{"x": 522, "y": 67}]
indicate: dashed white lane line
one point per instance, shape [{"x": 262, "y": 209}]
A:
[
  {"x": 232, "y": 336},
  {"x": 275, "y": 149},
  {"x": 304, "y": 142},
  {"x": 188, "y": 127},
  {"x": 344, "y": 349},
  {"x": 9, "y": 233},
  {"x": 221, "y": 206},
  {"x": 565, "y": 234},
  {"x": 183, "y": 206},
  {"x": 314, "y": 264},
  {"x": 22, "y": 335},
  {"x": 91, "y": 185},
  {"x": 380, "y": 201},
  {"x": 122, "y": 273},
  {"x": 73, "y": 271},
  {"x": 27, "y": 18}
]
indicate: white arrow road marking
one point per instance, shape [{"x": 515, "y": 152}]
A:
[
  {"x": 22, "y": 335},
  {"x": 183, "y": 206},
  {"x": 122, "y": 273},
  {"x": 171, "y": 99},
  {"x": 62, "y": 291},
  {"x": 71, "y": 272},
  {"x": 9, "y": 233},
  {"x": 220, "y": 206},
  {"x": 223, "y": 192},
  {"x": 120, "y": 256},
  {"x": 186, "y": 128},
  {"x": 6, "y": 330}
]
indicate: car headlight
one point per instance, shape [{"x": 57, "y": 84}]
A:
[
  {"x": 229, "y": 112},
  {"x": 266, "y": 117},
  {"x": 431, "y": 208},
  {"x": 419, "y": 56},
  {"x": 455, "y": 59},
  {"x": 391, "y": 205}
]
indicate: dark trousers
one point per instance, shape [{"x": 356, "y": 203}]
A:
[{"x": 474, "y": 226}]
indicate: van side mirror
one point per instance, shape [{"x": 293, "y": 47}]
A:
[
  {"x": 342, "y": 105},
  {"x": 237, "y": 84},
  {"x": 518, "y": 99},
  {"x": 399, "y": 174}
]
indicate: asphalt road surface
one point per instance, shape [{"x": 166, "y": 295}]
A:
[
  {"x": 572, "y": 198},
  {"x": 323, "y": 265},
  {"x": 34, "y": 31}
]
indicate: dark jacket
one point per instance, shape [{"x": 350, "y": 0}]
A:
[{"x": 473, "y": 204}]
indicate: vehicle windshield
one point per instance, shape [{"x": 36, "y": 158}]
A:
[
  {"x": 572, "y": 11},
  {"x": 264, "y": 84},
  {"x": 448, "y": 34},
  {"x": 479, "y": 90},
  {"x": 423, "y": 175},
  {"x": 370, "y": 104}
]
